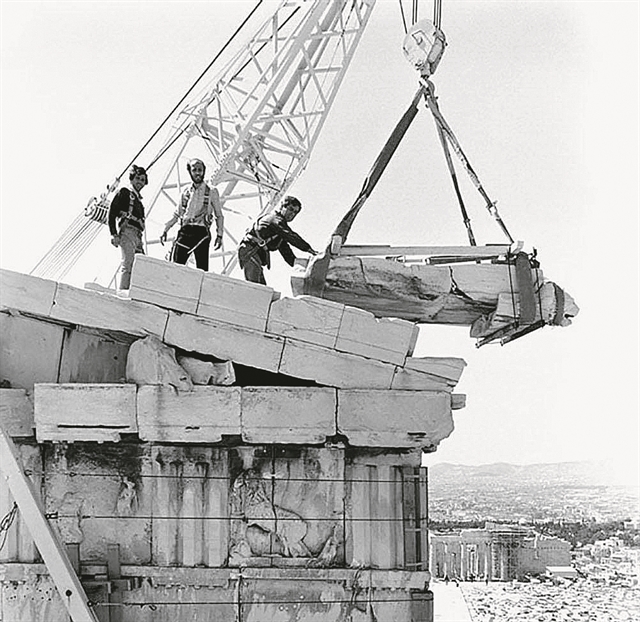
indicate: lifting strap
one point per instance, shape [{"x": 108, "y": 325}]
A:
[
  {"x": 450, "y": 136},
  {"x": 315, "y": 280}
]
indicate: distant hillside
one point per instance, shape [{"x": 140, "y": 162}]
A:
[
  {"x": 571, "y": 473},
  {"x": 560, "y": 491}
]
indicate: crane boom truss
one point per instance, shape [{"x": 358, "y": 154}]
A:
[{"x": 254, "y": 123}]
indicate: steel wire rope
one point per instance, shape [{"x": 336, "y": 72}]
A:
[
  {"x": 404, "y": 19},
  {"x": 310, "y": 601},
  {"x": 216, "y": 57},
  {"x": 67, "y": 235},
  {"x": 53, "y": 254},
  {"x": 225, "y": 478},
  {"x": 54, "y": 516}
]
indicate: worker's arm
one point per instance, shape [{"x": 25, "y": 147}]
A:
[
  {"x": 215, "y": 204},
  {"x": 291, "y": 237},
  {"x": 120, "y": 203},
  {"x": 177, "y": 215}
]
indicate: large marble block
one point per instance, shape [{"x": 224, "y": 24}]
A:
[
  {"x": 165, "y": 284},
  {"x": 233, "y": 301},
  {"x": 288, "y": 414},
  {"x": 306, "y": 318},
  {"x": 394, "y": 418},
  {"x": 202, "y": 415}
]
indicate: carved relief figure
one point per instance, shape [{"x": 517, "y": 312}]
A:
[{"x": 266, "y": 528}]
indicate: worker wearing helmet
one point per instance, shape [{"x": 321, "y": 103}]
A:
[
  {"x": 269, "y": 233},
  {"x": 126, "y": 222},
  {"x": 198, "y": 206}
]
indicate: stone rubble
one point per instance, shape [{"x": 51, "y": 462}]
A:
[{"x": 582, "y": 601}]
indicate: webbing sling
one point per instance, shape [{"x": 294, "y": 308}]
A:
[{"x": 315, "y": 280}]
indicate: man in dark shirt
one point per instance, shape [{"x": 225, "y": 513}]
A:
[
  {"x": 127, "y": 211},
  {"x": 269, "y": 233}
]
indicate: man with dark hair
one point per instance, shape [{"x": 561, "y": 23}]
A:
[
  {"x": 199, "y": 205},
  {"x": 127, "y": 211},
  {"x": 269, "y": 233}
]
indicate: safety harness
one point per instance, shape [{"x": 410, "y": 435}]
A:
[
  {"x": 129, "y": 217},
  {"x": 208, "y": 218}
]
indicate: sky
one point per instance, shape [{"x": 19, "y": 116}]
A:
[{"x": 543, "y": 97}]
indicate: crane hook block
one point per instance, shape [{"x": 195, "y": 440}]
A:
[{"x": 424, "y": 46}]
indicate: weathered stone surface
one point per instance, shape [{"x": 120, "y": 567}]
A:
[
  {"x": 100, "y": 494},
  {"x": 105, "y": 311},
  {"x": 233, "y": 301},
  {"x": 334, "y": 369},
  {"x": 385, "y": 339},
  {"x": 152, "y": 362},
  {"x": 443, "y": 367},
  {"x": 85, "y": 412},
  {"x": 29, "y": 351},
  {"x": 287, "y": 506},
  {"x": 288, "y": 415},
  {"x": 207, "y": 372},
  {"x": 223, "y": 341},
  {"x": 91, "y": 358},
  {"x": 16, "y": 412},
  {"x": 203, "y": 415},
  {"x": 306, "y": 318},
  {"x": 394, "y": 418},
  {"x": 165, "y": 284},
  {"x": 26, "y": 293},
  {"x": 18, "y": 545},
  {"x": 189, "y": 491}
]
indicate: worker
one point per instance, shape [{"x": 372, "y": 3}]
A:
[
  {"x": 127, "y": 211},
  {"x": 199, "y": 205},
  {"x": 269, "y": 233}
]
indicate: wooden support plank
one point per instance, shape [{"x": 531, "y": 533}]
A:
[
  {"x": 26, "y": 293},
  {"x": 107, "y": 312},
  {"x": 236, "y": 302},
  {"x": 52, "y": 553},
  {"x": 29, "y": 350},
  {"x": 225, "y": 342},
  {"x": 370, "y": 418},
  {"x": 473, "y": 252},
  {"x": 16, "y": 412},
  {"x": 165, "y": 284},
  {"x": 525, "y": 289},
  {"x": 295, "y": 414},
  {"x": 306, "y": 318},
  {"x": 88, "y": 412},
  {"x": 386, "y": 339},
  {"x": 334, "y": 369},
  {"x": 203, "y": 415}
]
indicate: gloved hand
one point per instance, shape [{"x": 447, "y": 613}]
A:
[
  {"x": 163, "y": 238},
  {"x": 115, "y": 240},
  {"x": 218, "y": 243}
]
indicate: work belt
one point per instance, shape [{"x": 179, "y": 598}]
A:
[{"x": 135, "y": 222}]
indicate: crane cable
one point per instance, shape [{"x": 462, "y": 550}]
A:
[{"x": 216, "y": 57}]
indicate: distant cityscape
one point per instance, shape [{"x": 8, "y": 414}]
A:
[
  {"x": 566, "y": 502},
  {"x": 570, "y": 491}
]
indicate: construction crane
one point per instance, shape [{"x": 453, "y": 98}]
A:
[{"x": 254, "y": 120}]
